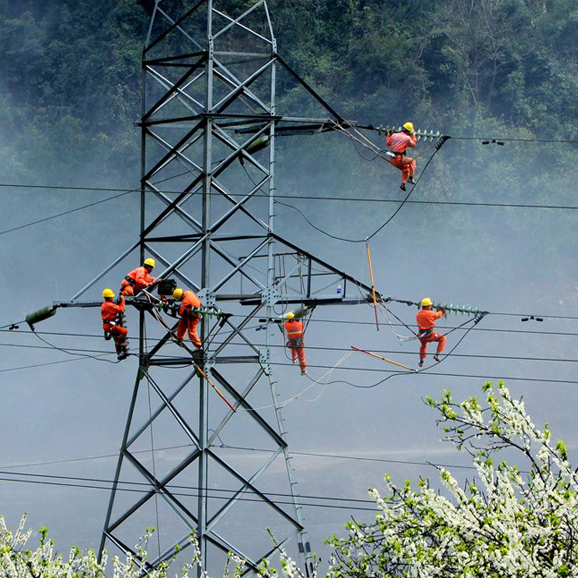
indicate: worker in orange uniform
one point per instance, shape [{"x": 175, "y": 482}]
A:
[
  {"x": 138, "y": 279},
  {"x": 426, "y": 322},
  {"x": 110, "y": 312},
  {"x": 399, "y": 141},
  {"x": 294, "y": 331},
  {"x": 189, "y": 317}
]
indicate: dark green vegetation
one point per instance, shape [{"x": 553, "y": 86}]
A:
[
  {"x": 70, "y": 77},
  {"x": 70, "y": 95}
]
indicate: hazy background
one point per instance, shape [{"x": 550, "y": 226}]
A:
[{"x": 70, "y": 95}]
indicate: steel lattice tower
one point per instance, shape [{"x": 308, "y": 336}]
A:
[{"x": 209, "y": 124}]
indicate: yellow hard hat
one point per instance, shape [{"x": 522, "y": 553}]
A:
[
  {"x": 108, "y": 293},
  {"x": 408, "y": 126},
  {"x": 426, "y": 302},
  {"x": 150, "y": 262},
  {"x": 290, "y": 315},
  {"x": 178, "y": 293}
]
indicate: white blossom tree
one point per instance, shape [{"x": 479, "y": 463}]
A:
[
  {"x": 507, "y": 522},
  {"x": 18, "y": 561}
]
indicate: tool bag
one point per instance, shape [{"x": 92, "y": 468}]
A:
[{"x": 166, "y": 287}]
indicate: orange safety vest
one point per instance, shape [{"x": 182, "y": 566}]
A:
[
  {"x": 190, "y": 301},
  {"x": 426, "y": 319},
  {"x": 399, "y": 141},
  {"x": 294, "y": 330},
  {"x": 109, "y": 310},
  {"x": 139, "y": 278}
]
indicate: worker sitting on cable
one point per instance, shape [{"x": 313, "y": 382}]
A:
[
  {"x": 190, "y": 316},
  {"x": 139, "y": 279},
  {"x": 426, "y": 322},
  {"x": 294, "y": 331},
  {"x": 111, "y": 322},
  {"x": 399, "y": 141}
]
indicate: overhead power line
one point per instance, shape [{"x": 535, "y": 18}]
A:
[
  {"x": 429, "y": 373},
  {"x": 244, "y": 448},
  {"x": 341, "y": 322},
  {"x": 37, "y": 222},
  {"x": 7, "y": 370},
  {"x": 305, "y": 500},
  {"x": 191, "y": 494},
  {"x": 323, "y": 348},
  {"x": 514, "y": 139},
  {"x": 43, "y": 220},
  {"x": 324, "y": 198}
]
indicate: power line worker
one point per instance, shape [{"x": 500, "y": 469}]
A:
[
  {"x": 294, "y": 332},
  {"x": 399, "y": 141},
  {"x": 111, "y": 314},
  {"x": 189, "y": 317},
  {"x": 426, "y": 319},
  {"x": 139, "y": 279}
]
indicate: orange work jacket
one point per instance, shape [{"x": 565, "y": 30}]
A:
[
  {"x": 399, "y": 141},
  {"x": 141, "y": 277},
  {"x": 189, "y": 301},
  {"x": 294, "y": 329},
  {"x": 426, "y": 318},
  {"x": 109, "y": 310}
]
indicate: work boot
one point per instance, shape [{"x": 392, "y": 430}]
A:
[
  {"x": 411, "y": 181},
  {"x": 436, "y": 358},
  {"x": 179, "y": 341},
  {"x": 303, "y": 372},
  {"x": 122, "y": 355},
  {"x": 402, "y": 186},
  {"x": 294, "y": 361},
  {"x": 420, "y": 363}
]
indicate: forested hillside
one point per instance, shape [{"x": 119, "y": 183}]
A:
[
  {"x": 70, "y": 96},
  {"x": 69, "y": 76}
]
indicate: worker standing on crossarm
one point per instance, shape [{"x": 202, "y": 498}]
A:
[
  {"x": 294, "y": 332},
  {"x": 190, "y": 315},
  {"x": 111, "y": 312},
  {"x": 426, "y": 322},
  {"x": 399, "y": 141},
  {"x": 139, "y": 279}
]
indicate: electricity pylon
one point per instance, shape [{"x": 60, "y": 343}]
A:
[{"x": 209, "y": 125}]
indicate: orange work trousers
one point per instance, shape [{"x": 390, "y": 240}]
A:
[
  {"x": 189, "y": 322},
  {"x": 433, "y": 336},
  {"x": 118, "y": 334},
  {"x": 405, "y": 164},
  {"x": 298, "y": 352}
]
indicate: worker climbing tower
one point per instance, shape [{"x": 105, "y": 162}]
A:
[{"x": 209, "y": 125}]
